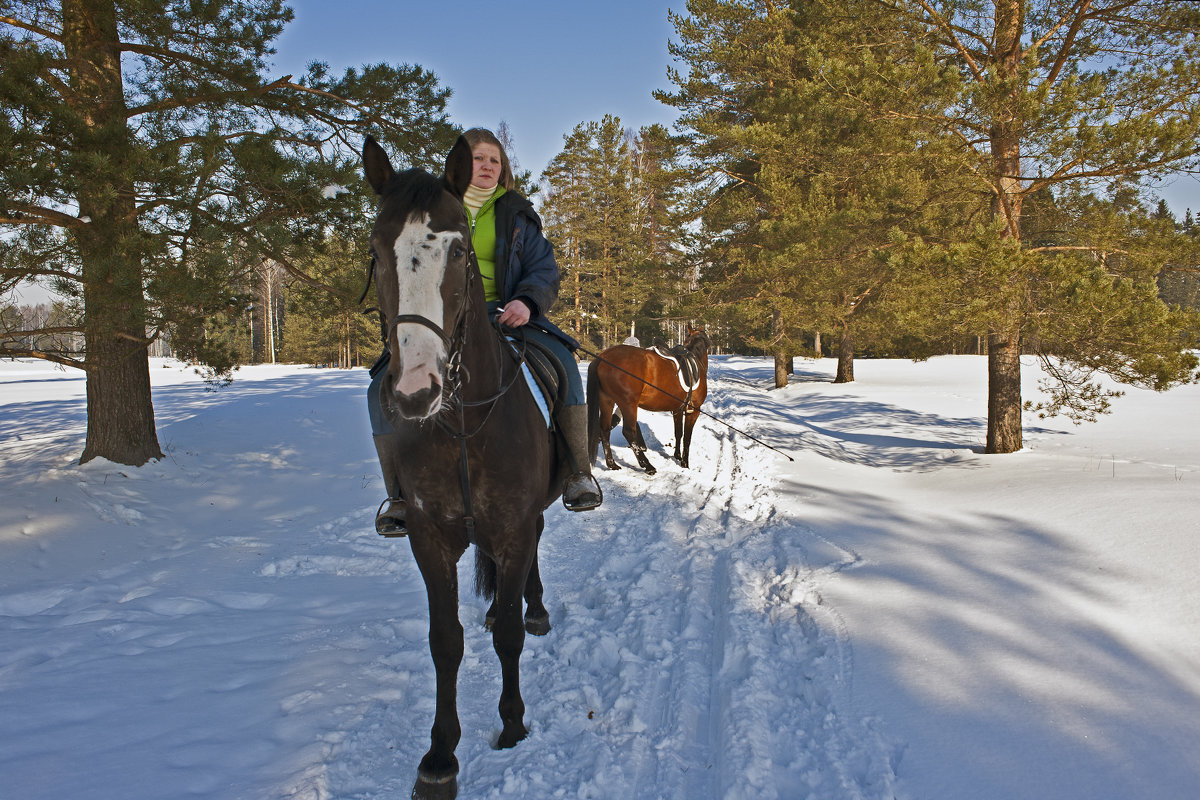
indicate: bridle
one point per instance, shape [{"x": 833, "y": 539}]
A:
[{"x": 453, "y": 342}]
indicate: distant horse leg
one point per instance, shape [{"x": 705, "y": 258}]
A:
[
  {"x": 537, "y": 618},
  {"x": 680, "y": 454},
  {"x": 689, "y": 423},
  {"x": 633, "y": 435},
  {"x": 606, "y": 426},
  {"x": 508, "y": 638},
  {"x": 437, "y": 773}
]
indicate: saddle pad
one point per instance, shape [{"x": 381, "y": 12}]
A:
[
  {"x": 687, "y": 370},
  {"x": 535, "y": 390}
]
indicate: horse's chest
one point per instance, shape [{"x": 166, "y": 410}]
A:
[{"x": 500, "y": 468}]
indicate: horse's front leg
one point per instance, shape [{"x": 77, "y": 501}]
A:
[
  {"x": 438, "y": 771},
  {"x": 508, "y": 637}
]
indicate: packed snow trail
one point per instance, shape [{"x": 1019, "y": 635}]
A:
[{"x": 686, "y": 659}]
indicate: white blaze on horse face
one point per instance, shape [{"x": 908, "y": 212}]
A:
[{"x": 421, "y": 255}]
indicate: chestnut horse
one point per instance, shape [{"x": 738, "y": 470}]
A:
[
  {"x": 471, "y": 452},
  {"x": 631, "y": 378}
]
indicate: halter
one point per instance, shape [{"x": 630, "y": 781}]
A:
[{"x": 454, "y": 342}]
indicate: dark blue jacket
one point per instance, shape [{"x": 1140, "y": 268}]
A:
[{"x": 525, "y": 265}]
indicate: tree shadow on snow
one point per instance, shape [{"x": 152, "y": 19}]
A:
[
  {"x": 847, "y": 428},
  {"x": 997, "y": 653}
]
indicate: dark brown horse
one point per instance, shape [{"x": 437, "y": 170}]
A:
[
  {"x": 471, "y": 454},
  {"x": 631, "y": 378}
]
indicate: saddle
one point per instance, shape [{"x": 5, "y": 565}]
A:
[
  {"x": 687, "y": 368},
  {"x": 544, "y": 374},
  {"x": 547, "y": 380}
]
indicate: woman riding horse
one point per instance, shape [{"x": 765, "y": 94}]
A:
[{"x": 520, "y": 281}]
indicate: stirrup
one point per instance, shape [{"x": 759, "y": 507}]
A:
[
  {"x": 585, "y": 500},
  {"x": 391, "y": 525}
]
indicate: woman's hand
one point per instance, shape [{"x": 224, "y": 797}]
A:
[{"x": 514, "y": 314}]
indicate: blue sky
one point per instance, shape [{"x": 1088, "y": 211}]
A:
[{"x": 542, "y": 66}]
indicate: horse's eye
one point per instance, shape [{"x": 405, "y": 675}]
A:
[{"x": 458, "y": 252}]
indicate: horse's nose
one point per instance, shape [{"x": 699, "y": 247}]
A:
[
  {"x": 421, "y": 404},
  {"x": 417, "y": 385}
]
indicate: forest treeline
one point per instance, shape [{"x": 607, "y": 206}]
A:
[{"x": 846, "y": 177}]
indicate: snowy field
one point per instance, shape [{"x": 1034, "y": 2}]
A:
[{"x": 891, "y": 615}]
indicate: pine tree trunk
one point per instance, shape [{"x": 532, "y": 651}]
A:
[
  {"x": 1004, "y": 393},
  {"x": 120, "y": 411},
  {"x": 1004, "y": 346},
  {"x": 781, "y": 370},
  {"x": 845, "y": 366}
]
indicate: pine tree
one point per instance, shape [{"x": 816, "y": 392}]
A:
[
  {"x": 816, "y": 153},
  {"x": 614, "y": 211},
  {"x": 663, "y": 276},
  {"x": 149, "y": 165},
  {"x": 1058, "y": 94},
  {"x": 330, "y": 327},
  {"x": 590, "y": 212}
]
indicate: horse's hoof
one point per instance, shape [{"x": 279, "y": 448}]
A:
[
  {"x": 443, "y": 789},
  {"x": 537, "y": 626},
  {"x": 510, "y": 737},
  {"x": 612, "y": 465},
  {"x": 651, "y": 471}
]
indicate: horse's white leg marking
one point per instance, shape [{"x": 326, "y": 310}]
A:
[{"x": 420, "y": 266}]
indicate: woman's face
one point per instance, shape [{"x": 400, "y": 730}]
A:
[{"x": 487, "y": 166}]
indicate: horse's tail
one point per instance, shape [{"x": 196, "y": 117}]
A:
[{"x": 485, "y": 575}]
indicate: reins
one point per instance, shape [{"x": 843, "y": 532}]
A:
[{"x": 683, "y": 403}]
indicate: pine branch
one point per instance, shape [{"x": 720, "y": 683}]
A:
[
  {"x": 200, "y": 99},
  {"x": 44, "y": 32},
  {"x": 39, "y": 215},
  {"x": 21, "y": 352},
  {"x": 40, "y": 332}
]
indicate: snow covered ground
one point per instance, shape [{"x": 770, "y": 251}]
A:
[{"x": 891, "y": 615}]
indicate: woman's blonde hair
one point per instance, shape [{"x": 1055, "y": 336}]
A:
[{"x": 475, "y": 136}]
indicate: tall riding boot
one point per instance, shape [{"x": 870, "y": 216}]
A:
[
  {"x": 389, "y": 520},
  {"x": 580, "y": 492}
]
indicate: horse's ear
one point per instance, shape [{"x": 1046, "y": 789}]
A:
[
  {"x": 376, "y": 165},
  {"x": 459, "y": 167}
]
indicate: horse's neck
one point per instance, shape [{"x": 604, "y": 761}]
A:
[{"x": 481, "y": 357}]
